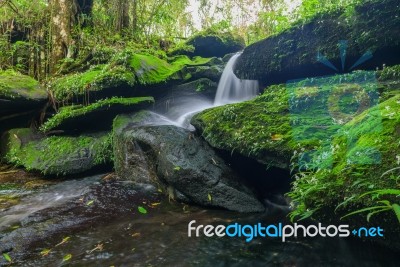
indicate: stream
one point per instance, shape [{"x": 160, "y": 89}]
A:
[{"x": 103, "y": 227}]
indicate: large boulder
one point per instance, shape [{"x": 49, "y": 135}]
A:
[
  {"x": 20, "y": 98},
  {"x": 371, "y": 28},
  {"x": 86, "y": 118},
  {"x": 56, "y": 155},
  {"x": 182, "y": 164}
]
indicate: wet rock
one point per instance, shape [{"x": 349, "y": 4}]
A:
[
  {"x": 211, "y": 44},
  {"x": 19, "y": 93},
  {"x": 181, "y": 163},
  {"x": 56, "y": 155},
  {"x": 178, "y": 96},
  {"x": 212, "y": 73}
]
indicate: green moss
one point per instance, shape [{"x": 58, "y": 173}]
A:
[
  {"x": 73, "y": 112},
  {"x": 96, "y": 79},
  {"x": 125, "y": 70},
  {"x": 259, "y": 128},
  {"x": 360, "y": 156},
  {"x": 152, "y": 70},
  {"x": 60, "y": 155},
  {"x": 14, "y": 85}
]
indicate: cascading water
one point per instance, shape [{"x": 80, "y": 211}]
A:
[{"x": 231, "y": 89}]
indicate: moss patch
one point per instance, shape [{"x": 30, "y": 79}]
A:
[
  {"x": 113, "y": 106},
  {"x": 59, "y": 155},
  {"x": 125, "y": 72},
  {"x": 14, "y": 85},
  {"x": 364, "y": 157}
]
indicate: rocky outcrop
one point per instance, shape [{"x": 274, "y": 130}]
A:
[
  {"x": 127, "y": 74},
  {"x": 19, "y": 93},
  {"x": 180, "y": 163},
  {"x": 56, "y": 155},
  {"x": 371, "y": 29},
  {"x": 21, "y": 98}
]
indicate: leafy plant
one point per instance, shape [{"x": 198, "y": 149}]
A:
[{"x": 382, "y": 205}]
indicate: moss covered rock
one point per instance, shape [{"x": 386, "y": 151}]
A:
[
  {"x": 370, "y": 27},
  {"x": 183, "y": 165},
  {"x": 299, "y": 115},
  {"x": 210, "y": 43},
  {"x": 56, "y": 155},
  {"x": 127, "y": 74},
  {"x": 19, "y": 93},
  {"x": 363, "y": 173},
  {"x": 258, "y": 128},
  {"x": 94, "y": 117}
]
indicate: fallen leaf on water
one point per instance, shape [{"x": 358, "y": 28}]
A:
[
  {"x": 177, "y": 168},
  {"x": 155, "y": 204},
  {"x": 67, "y": 257},
  {"x": 209, "y": 197},
  {"x": 65, "y": 239},
  {"x": 89, "y": 202},
  {"x": 7, "y": 257},
  {"x": 142, "y": 210},
  {"x": 99, "y": 247},
  {"x": 135, "y": 234},
  {"x": 45, "y": 252}
]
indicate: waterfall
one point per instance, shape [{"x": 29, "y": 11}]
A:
[{"x": 231, "y": 89}]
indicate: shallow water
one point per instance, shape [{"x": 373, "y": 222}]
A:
[{"x": 158, "y": 238}]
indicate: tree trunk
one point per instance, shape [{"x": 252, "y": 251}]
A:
[
  {"x": 63, "y": 19},
  {"x": 121, "y": 13}
]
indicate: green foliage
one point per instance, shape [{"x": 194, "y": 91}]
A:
[
  {"x": 353, "y": 176},
  {"x": 382, "y": 205}
]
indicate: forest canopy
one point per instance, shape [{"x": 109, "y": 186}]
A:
[{"x": 40, "y": 37}]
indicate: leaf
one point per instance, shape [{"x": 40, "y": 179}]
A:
[
  {"x": 7, "y": 257},
  {"x": 142, "y": 210},
  {"x": 135, "y": 234},
  {"x": 396, "y": 209},
  {"x": 276, "y": 137},
  {"x": 45, "y": 252},
  {"x": 209, "y": 197},
  {"x": 155, "y": 204},
  {"x": 67, "y": 257},
  {"x": 89, "y": 202},
  {"x": 364, "y": 210},
  {"x": 177, "y": 168},
  {"x": 65, "y": 239}
]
